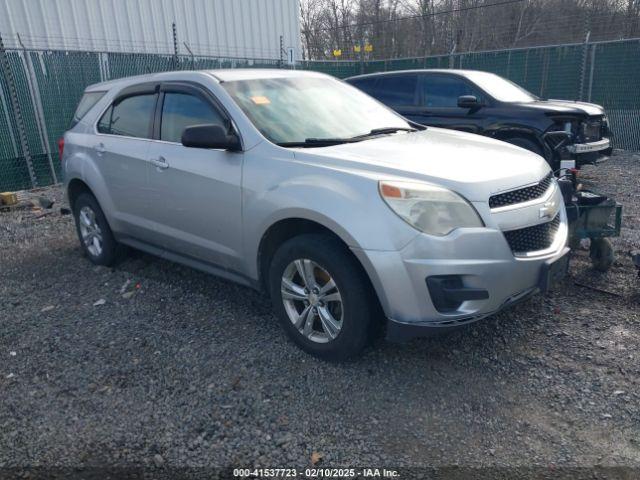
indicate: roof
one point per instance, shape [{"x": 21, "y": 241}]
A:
[
  {"x": 222, "y": 75},
  {"x": 232, "y": 74},
  {"x": 419, "y": 70}
]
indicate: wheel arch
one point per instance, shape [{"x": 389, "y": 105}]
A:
[
  {"x": 291, "y": 227},
  {"x": 75, "y": 187},
  {"x": 285, "y": 229},
  {"x": 506, "y": 134}
]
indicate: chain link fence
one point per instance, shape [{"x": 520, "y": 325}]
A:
[{"x": 46, "y": 86}]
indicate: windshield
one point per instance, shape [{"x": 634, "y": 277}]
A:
[
  {"x": 296, "y": 110},
  {"x": 500, "y": 88}
]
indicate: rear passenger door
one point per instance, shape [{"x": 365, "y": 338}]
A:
[
  {"x": 121, "y": 147},
  {"x": 439, "y": 95},
  {"x": 196, "y": 201}
]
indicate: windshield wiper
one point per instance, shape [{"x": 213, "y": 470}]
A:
[
  {"x": 319, "y": 142},
  {"x": 327, "y": 142}
]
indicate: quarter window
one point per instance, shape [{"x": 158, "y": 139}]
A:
[
  {"x": 181, "y": 110},
  {"x": 397, "y": 90},
  {"x": 88, "y": 100},
  {"x": 130, "y": 117},
  {"x": 443, "y": 91}
]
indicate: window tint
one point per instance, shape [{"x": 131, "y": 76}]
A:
[
  {"x": 105, "y": 120},
  {"x": 397, "y": 90},
  {"x": 444, "y": 90},
  {"x": 130, "y": 117},
  {"x": 87, "y": 101},
  {"x": 366, "y": 84},
  {"x": 181, "y": 110}
]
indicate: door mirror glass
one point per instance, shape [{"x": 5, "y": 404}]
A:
[
  {"x": 468, "y": 101},
  {"x": 209, "y": 136}
]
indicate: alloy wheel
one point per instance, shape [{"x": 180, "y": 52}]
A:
[{"x": 312, "y": 300}]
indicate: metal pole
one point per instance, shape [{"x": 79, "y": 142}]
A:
[
  {"x": 175, "y": 45},
  {"x": 34, "y": 91},
  {"x": 583, "y": 70},
  {"x": 281, "y": 51},
  {"x": 17, "y": 113},
  {"x": 193, "y": 61},
  {"x": 593, "y": 62}
]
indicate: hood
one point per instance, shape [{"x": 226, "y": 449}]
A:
[
  {"x": 565, "y": 106},
  {"x": 474, "y": 166}
]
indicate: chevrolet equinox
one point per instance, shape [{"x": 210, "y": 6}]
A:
[{"x": 303, "y": 186}]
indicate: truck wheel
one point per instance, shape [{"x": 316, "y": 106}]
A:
[
  {"x": 526, "y": 144},
  {"x": 601, "y": 253},
  {"x": 321, "y": 296},
  {"x": 94, "y": 232}
]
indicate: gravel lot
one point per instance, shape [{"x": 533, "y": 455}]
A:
[{"x": 155, "y": 364}]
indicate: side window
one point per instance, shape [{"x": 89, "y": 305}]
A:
[
  {"x": 104, "y": 125},
  {"x": 397, "y": 90},
  {"x": 443, "y": 90},
  {"x": 131, "y": 117},
  {"x": 88, "y": 100},
  {"x": 367, "y": 84},
  {"x": 181, "y": 110}
]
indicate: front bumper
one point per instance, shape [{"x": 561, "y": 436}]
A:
[
  {"x": 480, "y": 257},
  {"x": 579, "y": 148}
]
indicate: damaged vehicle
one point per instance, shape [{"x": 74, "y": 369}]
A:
[
  {"x": 487, "y": 104},
  {"x": 299, "y": 185}
]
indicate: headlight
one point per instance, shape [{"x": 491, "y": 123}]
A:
[{"x": 430, "y": 209}]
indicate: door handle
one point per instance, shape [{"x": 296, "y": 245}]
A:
[
  {"x": 160, "y": 162},
  {"x": 100, "y": 149}
]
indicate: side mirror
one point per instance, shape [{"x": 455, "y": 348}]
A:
[
  {"x": 468, "y": 101},
  {"x": 209, "y": 136}
]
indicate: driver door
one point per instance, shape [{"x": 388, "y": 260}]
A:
[
  {"x": 196, "y": 192},
  {"x": 439, "y": 103}
]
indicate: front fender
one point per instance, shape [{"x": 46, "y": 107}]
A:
[{"x": 346, "y": 203}]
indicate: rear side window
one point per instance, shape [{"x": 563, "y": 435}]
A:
[
  {"x": 130, "y": 117},
  {"x": 181, "y": 110},
  {"x": 443, "y": 90},
  {"x": 88, "y": 100},
  {"x": 397, "y": 90}
]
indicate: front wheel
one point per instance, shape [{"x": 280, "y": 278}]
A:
[
  {"x": 601, "y": 253},
  {"x": 321, "y": 296},
  {"x": 526, "y": 144}
]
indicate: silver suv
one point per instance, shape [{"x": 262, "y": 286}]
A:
[{"x": 301, "y": 185}]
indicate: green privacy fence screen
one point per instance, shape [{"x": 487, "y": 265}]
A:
[{"x": 48, "y": 85}]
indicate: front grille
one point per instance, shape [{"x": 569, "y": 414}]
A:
[
  {"x": 533, "y": 239},
  {"x": 592, "y": 130},
  {"x": 522, "y": 194}
]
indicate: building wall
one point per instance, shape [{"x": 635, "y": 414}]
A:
[{"x": 231, "y": 28}]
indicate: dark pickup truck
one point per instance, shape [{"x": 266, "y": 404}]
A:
[{"x": 487, "y": 104}]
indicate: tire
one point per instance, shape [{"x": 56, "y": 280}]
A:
[
  {"x": 601, "y": 253},
  {"x": 94, "y": 233},
  {"x": 327, "y": 259},
  {"x": 526, "y": 144}
]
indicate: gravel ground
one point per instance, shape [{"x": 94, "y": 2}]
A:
[{"x": 152, "y": 364}]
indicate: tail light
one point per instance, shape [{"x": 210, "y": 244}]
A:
[{"x": 60, "y": 147}]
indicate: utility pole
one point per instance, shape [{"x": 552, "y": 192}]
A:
[
  {"x": 281, "y": 51},
  {"x": 17, "y": 113}
]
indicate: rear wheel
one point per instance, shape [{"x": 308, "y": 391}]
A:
[
  {"x": 96, "y": 237},
  {"x": 321, "y": 296}
]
